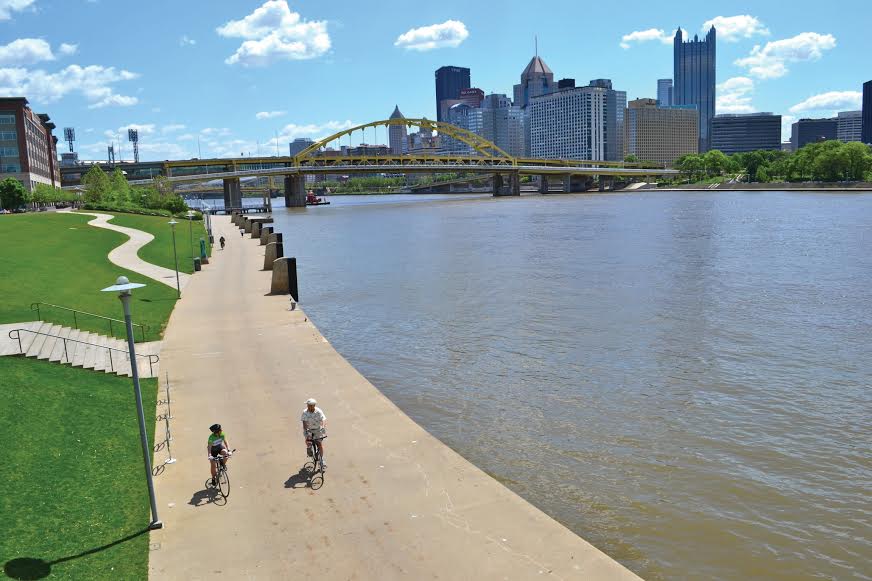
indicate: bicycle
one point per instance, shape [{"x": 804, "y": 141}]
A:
[
  {"x": 317, "y": 463},
  {"x": 221, "y": 475}
]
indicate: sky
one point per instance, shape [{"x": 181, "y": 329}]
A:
[{"x": 217, "y": 78}]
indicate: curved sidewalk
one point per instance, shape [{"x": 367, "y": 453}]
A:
[
  {"x": 126, "y": 255},
  {"x": 396, "y": 503}
]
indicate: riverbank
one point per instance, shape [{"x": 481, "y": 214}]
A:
[
  {"x": 772, "y": 187},
  {"x": 396, "y": 503}
]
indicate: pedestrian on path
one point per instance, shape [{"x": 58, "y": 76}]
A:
[
  {"x": 242, "y": 231},
  {"x": 221, "y": 240}
]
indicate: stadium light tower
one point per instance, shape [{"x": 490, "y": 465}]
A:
[
  {"x": 133, "y": 137},
  {"x": 70, "y": 136}
]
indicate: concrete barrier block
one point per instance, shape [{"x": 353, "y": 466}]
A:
[
  {"x": 275, "y": 237},
  {"x": 284, "y": 278},
  {"x": 264, "y": 235},
  {"x": 247, "y": 225},
  {"x": 255, "y": 229},
  {"x": 274, "y": 250}
]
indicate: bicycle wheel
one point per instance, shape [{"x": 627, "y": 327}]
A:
[{"x": 224, "y": 482}]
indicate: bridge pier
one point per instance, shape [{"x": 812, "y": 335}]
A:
[
  {"x": 514, "y": 186},
  {"x": 295, "y": 191},
  {"x": 498, "y": 184},
  {"x": 606, "y": 183},
  {"x": 232, "y": 193},
  {"x": 543, "y": 184}
]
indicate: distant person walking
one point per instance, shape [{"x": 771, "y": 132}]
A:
[
  {"x": 221, "y": 240},
  {"x": 242, "y": 231}
]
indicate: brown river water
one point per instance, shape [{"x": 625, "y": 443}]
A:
[{"x": 683, "y": 379}]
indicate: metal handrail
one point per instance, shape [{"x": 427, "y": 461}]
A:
[
  {"x": 35, "y": 307},
  {"x": 152, "y": 359}
]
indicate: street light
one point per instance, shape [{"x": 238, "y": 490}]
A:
[
  {"x": 123, "y": 287},
  {"x": 172, "y": 224},
  {"x": 191, "y": 232}
]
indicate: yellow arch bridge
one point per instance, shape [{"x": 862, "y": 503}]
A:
[{"x": 481, "y": 157}]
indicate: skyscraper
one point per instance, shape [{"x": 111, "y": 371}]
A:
[
  {"x": 694, "y": 74},
  {"x": 660, "y": 134},
  {"x": 740, "y": 132},
  {"x": 537, "y": 79},
  {"x": 807, "y": 131},
  {"x": 867, "y": 112},
  {"x": 397, "y": 137},
  {"x": 849, "y": 126},
  {"x": 664, "y": 92},
  {"x": 449, "y": 82},
  {"x": 584, "y": 123}
]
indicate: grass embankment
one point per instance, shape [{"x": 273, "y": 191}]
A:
[
  {"x": 57, "y": 258},
  {"x": 160, "y": 250},
  {"x": 74, "y": 499}
]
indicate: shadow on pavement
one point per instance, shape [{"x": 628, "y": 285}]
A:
[
  {"x": 209, "y": 495},
  {"x": 299, "y": 480}
]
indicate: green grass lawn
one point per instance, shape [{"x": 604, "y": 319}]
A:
[
  {"x": 160, "y": 250},
  {"x": 57, "y": 258},
  {"x": 74, "y": 497}
]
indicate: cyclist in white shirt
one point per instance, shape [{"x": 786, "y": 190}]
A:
[{"x": 315, "y": 427}]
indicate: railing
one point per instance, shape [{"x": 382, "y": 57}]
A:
[
  {"x": 152, "y": 359},
  {"x": 36, "y": 307}
]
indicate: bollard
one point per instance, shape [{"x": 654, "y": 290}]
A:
[
  {"x": 247, "y": 225},
  {"x": 264, "y": 234},
  {"x": 284, "y": 278},
  {"x": 274, "y": 250},
  {"x": 255, "y": 229}
]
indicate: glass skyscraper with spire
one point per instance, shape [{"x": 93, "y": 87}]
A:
[{"x": 694, "y": 79}]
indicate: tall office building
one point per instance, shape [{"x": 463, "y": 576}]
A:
[
  {"x": 298, "y": 145},
  {"x": 660, "y": 134},
  {"x": 537, "y": 79},
  {"x": 28, "y": 149},
  {"x": 581, "y": 123},
  {"x": 866, "y": 136},
  {"x": 664, "y": 92},
  {"x": 735, "y": 133},
  {"x": 397, "y": 135},
  {"x": 807, "y": 131},
  {"x": 694, "y": 74},
  {"x": 496, "y": 120},
  {"x": 849, "y": 126},
  {"x": 449, "y": 82}
]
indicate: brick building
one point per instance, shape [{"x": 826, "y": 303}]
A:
[{"x": 28, "y": 148}]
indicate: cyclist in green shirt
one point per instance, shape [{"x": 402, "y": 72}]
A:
[{"x": 217, "y": 447}]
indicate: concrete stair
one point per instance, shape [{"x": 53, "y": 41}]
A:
[{"x": 68, "y": 346}]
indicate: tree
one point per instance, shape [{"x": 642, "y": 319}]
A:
[
  {"x": 119, "y": 188},
  {"x": 96, "y": 184},
  {"x": 715, "y": 162},
  {"x": 45, "y": 194},
  {"x": 12, "y": 194},
  {"x": 690, "y": 164},
  {"x": 859, "y": 158},
  {"x": 631, "y": 159}
]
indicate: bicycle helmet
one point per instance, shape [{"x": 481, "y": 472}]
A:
[
  {"x": 311, "y": 401},
  {"x": 215, "y": 428}
]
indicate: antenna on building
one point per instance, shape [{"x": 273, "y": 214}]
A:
[
  {"x": 133, "y": 137},
  {"x": 70, "y": 136},
  {"x": 536, "y": 43}
]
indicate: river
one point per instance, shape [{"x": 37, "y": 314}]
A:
[{"x": 681, "y": 378}]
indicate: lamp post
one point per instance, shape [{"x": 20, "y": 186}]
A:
[
  {"x": 172, "y": 224},
  {"x": 191, "y": 232},
  {"x": 123, "y": 287}
]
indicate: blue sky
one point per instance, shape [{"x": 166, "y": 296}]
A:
[{"x": 204, "y": 69}]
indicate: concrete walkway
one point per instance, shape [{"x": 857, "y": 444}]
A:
[
  {"x": 126, "y": 255},
  {"x": 395, "y": 504}
]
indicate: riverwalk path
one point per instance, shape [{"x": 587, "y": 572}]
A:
[
  {"x": 395, "y": 503},
  {"x": 126, "y": 255}
]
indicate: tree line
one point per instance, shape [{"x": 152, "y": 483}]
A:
[{"x": 825, "y": 161}]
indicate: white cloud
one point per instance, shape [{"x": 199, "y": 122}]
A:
[
  {"x": 94, "y": 82},
  {"x": 449, "y": 34},
  {"x": 68, "y": 49},
  {"x": 733, "y": 28},
  {"x": 314, "y": 130},
  {"x": 220, "y": 131},
  {"x": 770, "y": 61},
  {"x": 25, "y": 51},
  {"x": 185, "y": 137},
  {"x": 273, "y": 33},
  {"x": 7, "y": 7},
  {"x": 173, "y": 127},
  {"x": 187, "y": 41},
  {"x": 645, "y": 36},
  {"x": 734, "y": 95},
  {"x": 832, "y": 101},
  {"x": 269, "y": 114}
]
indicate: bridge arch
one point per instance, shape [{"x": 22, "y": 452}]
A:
[{"x": 477, "y": 143}]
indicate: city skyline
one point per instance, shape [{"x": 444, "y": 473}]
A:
[{"x": 258, "y": 72}]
